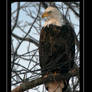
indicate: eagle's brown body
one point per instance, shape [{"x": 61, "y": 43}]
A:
[{"x": 56, "y": 49}]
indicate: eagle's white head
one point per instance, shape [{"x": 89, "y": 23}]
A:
[{"x": 53, "y": 16}]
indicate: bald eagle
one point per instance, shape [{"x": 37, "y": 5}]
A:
[{"x": 57, "y": 44}]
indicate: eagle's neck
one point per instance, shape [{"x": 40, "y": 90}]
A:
[{"x": 57, "y": 22}]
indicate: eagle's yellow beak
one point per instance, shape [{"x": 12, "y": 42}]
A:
[{"x": 45, "y": 14}]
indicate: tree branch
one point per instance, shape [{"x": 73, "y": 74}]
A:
[
  {"x": 30, "y": 84},
  {"x": 69, "y": 5},
  {"x": 44, "y": 4},
  {"x": 26, "y": 39}
]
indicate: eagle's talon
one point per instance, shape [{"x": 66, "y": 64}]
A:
[
  {"x": 45, "y": 76},
  {"x": 55, "y": 73}
]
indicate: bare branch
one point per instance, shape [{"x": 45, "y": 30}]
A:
[
  {"x": 69, "y": 5},
  {"x": 26, "y": 39},
  {"x": 30, "y": 84}
]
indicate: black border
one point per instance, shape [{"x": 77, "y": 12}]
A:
[{"x": 86, "y": 59}]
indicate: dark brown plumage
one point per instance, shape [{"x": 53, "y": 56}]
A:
[{"x": 56, "y": 50}]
